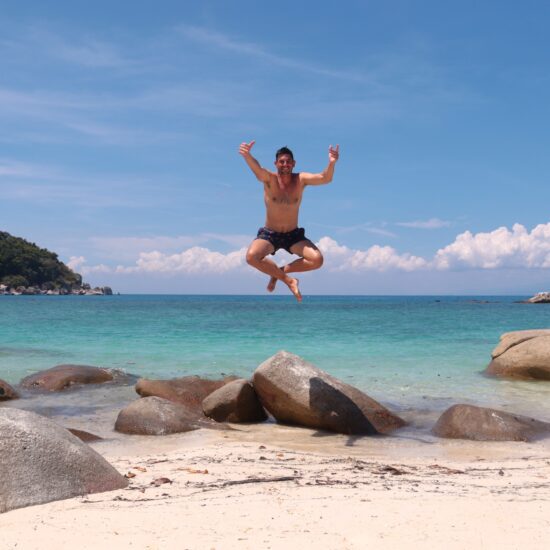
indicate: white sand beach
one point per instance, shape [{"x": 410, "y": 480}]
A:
[{"x": 272, "y": 486}]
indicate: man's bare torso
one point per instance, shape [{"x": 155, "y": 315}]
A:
[{"x": 282, "y": 202}]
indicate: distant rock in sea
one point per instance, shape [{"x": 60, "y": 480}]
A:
[{"x": 539, "y": 298}]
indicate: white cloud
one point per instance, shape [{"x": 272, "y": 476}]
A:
[
  {"x": 500, "y": 248},
  {"x": 195, "y": 260},
  {"x": 433, "y": 223},
  {"x": 375, "y": 258}
]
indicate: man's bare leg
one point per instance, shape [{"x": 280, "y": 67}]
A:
[
  {"x": 256, "y": 257},
  {"x": 311, "y": 259}
]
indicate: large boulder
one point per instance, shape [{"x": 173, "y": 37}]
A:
[
  {"x": 42, "y": 461},
  {"x": 61, "y": 377},
  {"x": 539, "y": 298},
  {"x": 234, "y": 402},
  {"x": 482, "y": 424},
  {"x": 188, "y": 390},
  {"x": 523, "y": 354},
  {"x": 296, "y": 392},
  {"x": 156, "y": 416},
  {"x": 7, "y": 392}
]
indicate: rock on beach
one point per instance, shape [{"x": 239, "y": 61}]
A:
[
  {"x": 522, "y": 354},
  {"x": 234, "y": 402},
  {"x": 296, "y": 392},
  {"x": 483, "y": 424},
  {"x": 155, "y": 416},
  {"x": 7, "y": 392},
  {"x": 187, "y": 390},
  {"x": 42, "y": 461},
  {"x": 61, "y": 377}
]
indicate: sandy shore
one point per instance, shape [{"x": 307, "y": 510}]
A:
[{"x": 271, "y": 486}]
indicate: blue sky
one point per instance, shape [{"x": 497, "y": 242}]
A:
[{"x": 121, "y": 123}]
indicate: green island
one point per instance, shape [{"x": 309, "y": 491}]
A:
[{"x": 27, "y": 269}]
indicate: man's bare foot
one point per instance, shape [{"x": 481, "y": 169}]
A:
[
  {"x": 273, "y": 282},
  {"x": 293, "y": 286}
]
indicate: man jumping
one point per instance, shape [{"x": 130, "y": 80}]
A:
[{"x": 283, "y": 194}]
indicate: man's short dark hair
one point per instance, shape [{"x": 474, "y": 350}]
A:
[{"x": 284, "y": 151}]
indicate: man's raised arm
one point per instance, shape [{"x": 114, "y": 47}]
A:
[
  {"x": 326, "y": 175},
  {"x": 261, "y": 173}
]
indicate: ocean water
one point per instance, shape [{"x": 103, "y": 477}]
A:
[{"x": 420, "y": 353}]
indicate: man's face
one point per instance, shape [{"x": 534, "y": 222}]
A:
[{"x": 284, "y": 163}]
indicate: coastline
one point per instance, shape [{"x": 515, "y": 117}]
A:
[{"x": 281, "y": 487}]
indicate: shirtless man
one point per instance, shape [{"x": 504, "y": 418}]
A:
[{"x": 283, "y": 194}]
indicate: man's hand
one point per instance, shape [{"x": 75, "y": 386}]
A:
[
  {"x": 333, "y": 153},
  {"x": 244, "y": 149}
]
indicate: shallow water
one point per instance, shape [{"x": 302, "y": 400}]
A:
[{"x": 417, "y": 355}]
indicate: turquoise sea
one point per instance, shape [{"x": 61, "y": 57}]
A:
[{"x": 414, "y": 353}]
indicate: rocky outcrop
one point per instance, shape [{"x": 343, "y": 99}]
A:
[
  {"x": 188, "y": 390},
  {"x": 155, "y": 416},
  {"x": 62, "y": 377},
  {"x": 296, "y": 392},
  {"x": 7, "y": 392},
  {"x": 539, "y": 298},
  {"x": 41, "y": 462},
  {"x": 234, "y": 402},
  {"x": 482, "y": 424},
  {"x": 523, "y": 354}
]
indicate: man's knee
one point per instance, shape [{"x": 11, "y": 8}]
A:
[
  {"x": 253, "y": 258},
  {"x": 317, "y": 260}
]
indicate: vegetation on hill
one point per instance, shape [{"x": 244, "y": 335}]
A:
[{"x": 24, "y": 264}]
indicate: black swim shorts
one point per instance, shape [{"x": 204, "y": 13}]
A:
[{"x": 282, "y": 240}]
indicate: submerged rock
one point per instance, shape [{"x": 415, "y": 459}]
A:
[
  {"x": 234, "y": 402},
  {"x": 61, "y": 377},
  {"x": 41, "y": 462},
  {"x": 188, "y": 390},
  {"x": 523, "y": 354},
  {"x": 296, "y": 392},
  {"x": 482, "y": 424},
  {"x": 7, "y": 392},
  {"x": 155, "y": 416}
]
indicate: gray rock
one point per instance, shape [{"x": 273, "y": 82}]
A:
[
  {"x": 539, "y": 298},
  {"x": 156, "y": 416},
  {"x": 482, "y": 424},
  {"x": 523, "y": 355},
  {"x": 41, "y": 462},
  {"x": 296, "y": 392},
  {"x": 234, "y": 402},
  {"x": 7, "y": 392}
]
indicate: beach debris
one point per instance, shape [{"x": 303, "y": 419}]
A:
[
  {"x": 129, "y": 475},
  {"x": 296, "y": 392},
  {"x": 391, "y": 470},
  {"x": 483, "y": 424},
  {"x": 46, "y": 462},
  {"x": 522, "y": 354},
  {"x": 139, "y": 468},
  {"x": 234, "y": 402},
  {"x": 6, "y": 391},
  {"x": 193, "y": 470},
  {"x": 161, "y": 481}
]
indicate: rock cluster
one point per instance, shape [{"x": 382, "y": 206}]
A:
[
  {"x": 84, "y": 290},
  {"x": 539, "y": 298}
]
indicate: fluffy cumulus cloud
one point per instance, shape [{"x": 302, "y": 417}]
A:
[
  {"x": 194, "y": 260},
  {"x": 501, "y": 248},
  {"x": 375, "y": 258}
]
